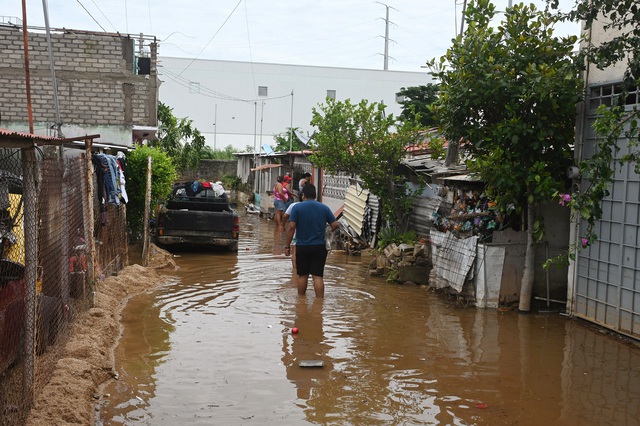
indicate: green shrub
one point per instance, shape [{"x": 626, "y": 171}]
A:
[
  {"x": 163, "y": 176},
  {"x": 388, "y": 236},
  {"x": 231, "y": 182}
]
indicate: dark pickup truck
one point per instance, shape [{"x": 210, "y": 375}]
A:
[{"x": 196, "y": 214}]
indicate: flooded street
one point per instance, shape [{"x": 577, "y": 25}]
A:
[{"x": 214, "y": 346}]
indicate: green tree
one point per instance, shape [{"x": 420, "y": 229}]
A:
[
  {"x": 288, "y": 141},
  {"x": 510, "y": 93},
  {"x": 179, "y": 139},
  {"x": 359, "y": 139},
  {"x": 416, "y": 104},
  {"x": 219, "y": 154},
  {"x": 163, "y": 176}
]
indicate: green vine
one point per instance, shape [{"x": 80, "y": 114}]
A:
[{"x": 598, "y": 173}]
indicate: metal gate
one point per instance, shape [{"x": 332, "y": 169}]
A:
[{"x": 607, "y": 287}]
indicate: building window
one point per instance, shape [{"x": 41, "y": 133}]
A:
[
  {"x": 263, "y": 91},
  {"x": 608, "y": 93},
  {"x": 331, "y": 94},
  {"x": 194, "y": 87}
]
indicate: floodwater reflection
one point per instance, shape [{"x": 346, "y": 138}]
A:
[{"x": 214, "y": 346}]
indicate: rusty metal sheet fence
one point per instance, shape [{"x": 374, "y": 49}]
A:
[{"x": 57, "y": 239}]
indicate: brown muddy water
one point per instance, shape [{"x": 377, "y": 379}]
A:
[{"x": 214, "y": 347}]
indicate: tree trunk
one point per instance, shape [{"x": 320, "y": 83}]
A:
[
  {"x": 453, "y": 156},
  {"x": 526, "y": 284}
]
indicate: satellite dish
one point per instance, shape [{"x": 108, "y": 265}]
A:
[
  {"x": 303, "y": 138},
  {"x": 267, "y": 149}
]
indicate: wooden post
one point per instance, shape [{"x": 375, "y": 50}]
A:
[
  {"x": 89, "y": 220},
  {"x": 145, "y": 226},
  {"x": 30, "y": 223}
]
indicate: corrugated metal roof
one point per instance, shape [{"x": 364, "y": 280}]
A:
[
  {"x": 422, "y": 214},
  {"x": 361, "y": 212},
  {"x": 14, "y": 139},
  {"x": 25, "y": 136},
  {"x": 464, "y": 178},
  {"x": 355, "y": 205},
  {"x": 427, "y": 166}
]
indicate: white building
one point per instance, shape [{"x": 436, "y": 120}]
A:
[{"x": 245, "y": 104}]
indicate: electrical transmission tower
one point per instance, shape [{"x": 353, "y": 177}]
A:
[{"x": 386, "y": 35}]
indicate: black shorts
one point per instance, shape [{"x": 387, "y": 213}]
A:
[{"x": 310, "y": 260}]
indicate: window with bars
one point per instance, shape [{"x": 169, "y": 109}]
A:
[{"x": 607, "y": 94}]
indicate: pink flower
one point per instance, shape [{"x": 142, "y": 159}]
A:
[
  {"x": 584, "y": 241},
  {"x": 564, "y": 199}
]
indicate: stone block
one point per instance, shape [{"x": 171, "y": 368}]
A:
[{"x": 390, "y": 249}]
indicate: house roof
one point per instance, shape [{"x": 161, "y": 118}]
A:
[
  {"x": 14, "y": 139},
  {"x": 265, "y": 167},
  {"x": 426, "y": 166}
]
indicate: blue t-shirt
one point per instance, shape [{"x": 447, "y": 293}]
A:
[{"x": 311, "y": 218}]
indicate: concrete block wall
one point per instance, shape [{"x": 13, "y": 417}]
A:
[{"x": 97, "y": 83}]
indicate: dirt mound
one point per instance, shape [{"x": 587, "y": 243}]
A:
[{"x": 88, "y": 360}]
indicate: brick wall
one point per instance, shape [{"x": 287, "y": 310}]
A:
[{"x": 97, "y": 85}]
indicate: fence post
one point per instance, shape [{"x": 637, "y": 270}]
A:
[
  {"x": 145, "y": 225},
  {"x": 89, "y": 220},
  {"x": 31, "y": 264}
]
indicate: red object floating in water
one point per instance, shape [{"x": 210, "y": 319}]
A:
[
  {"x": 481, "y": 405},
  {"x": 294, "y": 330}
]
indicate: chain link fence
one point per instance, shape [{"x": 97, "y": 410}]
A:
[{"x": 57, "y": 238}]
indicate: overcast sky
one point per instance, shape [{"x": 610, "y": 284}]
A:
[{"x": 347, "y": 33}]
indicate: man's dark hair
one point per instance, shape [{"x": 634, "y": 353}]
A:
[
  {"x": 309, "y": 191},
  {"x": 306, "y": 175}
]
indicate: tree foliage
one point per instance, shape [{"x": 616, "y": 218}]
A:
[
  {"x": 163, "y": 176},
  {"x": 219, "y": 154},
  {"x": 179, "y": 139},
  {"x": 288, "y": 141},
  {"x": 361, "y": 140},
  {"x": 510, "y": 94},
  {"x": 416, "y": 104}
]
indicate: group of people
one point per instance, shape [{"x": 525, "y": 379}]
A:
[{"x": 305, "y": 238}]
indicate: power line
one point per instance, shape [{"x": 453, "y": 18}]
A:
[
  {"x": 186, "y": 83},
  {"x": 89, "y": 13},
  {"x": 212, "y": 37},
  {"x": 105, "y": 16}
]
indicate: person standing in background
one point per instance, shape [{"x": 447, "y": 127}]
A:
[
  {"x": 306, "y": 178},
  {"x": 292, "y": 245},
  {"x": 280, "y": 199}
]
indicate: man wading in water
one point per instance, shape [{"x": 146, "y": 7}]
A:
[{"x": 308, "y": 220}]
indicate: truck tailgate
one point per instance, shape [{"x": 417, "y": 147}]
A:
[{"x": 198, "y": 227}]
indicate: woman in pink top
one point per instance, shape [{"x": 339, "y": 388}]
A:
[{"x": 280, "y": 200}]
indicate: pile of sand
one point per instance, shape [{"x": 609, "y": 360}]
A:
[{"x": 88, "y": 360}]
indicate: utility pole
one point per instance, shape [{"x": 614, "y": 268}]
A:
[
  {"x": 291, "y": 125},
  {"x": 464, "y": 8},
  {"x": 215, "y": 126},
  {"x": 386, "y": 35}
]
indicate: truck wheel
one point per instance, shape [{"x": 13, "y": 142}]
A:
[{"x": 233, "y": 247}]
